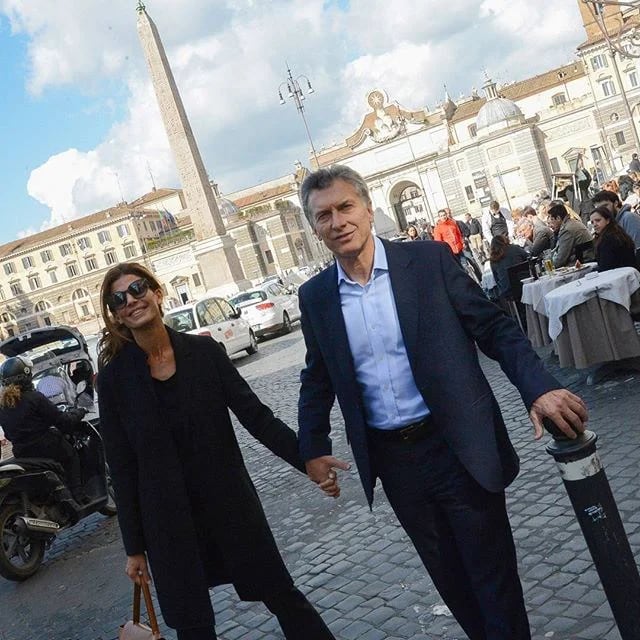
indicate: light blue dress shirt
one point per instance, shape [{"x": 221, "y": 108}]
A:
[{"x": 391, "y": 398}]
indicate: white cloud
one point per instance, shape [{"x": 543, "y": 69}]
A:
[{"x": 228, "y": 58}]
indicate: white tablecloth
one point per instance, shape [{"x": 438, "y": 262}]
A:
[
  {"x": 616, "y": 286},
  {"x": 533, "y": 293}
]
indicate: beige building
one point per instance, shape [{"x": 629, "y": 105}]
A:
[
  {"x": 54, "y": 277},
  {"x": 506, "y": 144}
]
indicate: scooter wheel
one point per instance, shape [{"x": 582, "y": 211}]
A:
[{"x": 20, "y": 555}]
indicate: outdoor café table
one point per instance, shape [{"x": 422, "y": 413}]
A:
[
  {"x": 589, "y": 319},
  {"x": 533, "y": 294}
]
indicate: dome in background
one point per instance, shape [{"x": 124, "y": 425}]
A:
[
  {"x": 498, "y": 113},
  {"x": 227, "y": 208}
]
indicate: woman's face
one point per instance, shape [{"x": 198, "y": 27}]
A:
[
  {"x": 137, "y": 313},
  {"x": 598, "y": 222},
  {"x": 411, "y": 232}
]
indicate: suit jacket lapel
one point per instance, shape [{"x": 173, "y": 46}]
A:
[
  {"x": 406, "y": 293},
  {"x": 329, "y": 303}
]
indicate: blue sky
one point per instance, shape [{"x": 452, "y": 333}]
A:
[{"x": 77, "y": 105}]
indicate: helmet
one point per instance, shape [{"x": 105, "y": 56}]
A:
[{"x": 18, "y": 370}]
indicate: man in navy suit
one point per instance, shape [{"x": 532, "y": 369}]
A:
[{"x": 391, "y": 329}]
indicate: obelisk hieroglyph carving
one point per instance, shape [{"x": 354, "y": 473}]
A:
[{"x": 214, "y": 248}]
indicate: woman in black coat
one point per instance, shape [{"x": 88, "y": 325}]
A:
[
  {"x": 503, "y": 255},
  {"x": 185, "y": 500},
  {"x": 614, "y": 246}
]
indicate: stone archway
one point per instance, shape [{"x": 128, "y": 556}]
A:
[{"x": 407, "y": 203}]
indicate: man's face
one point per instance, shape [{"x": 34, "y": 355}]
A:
[
  {"x": 612, "y": 206},
  {"x": 447, "y": 214},
  {"x": 341, "y": 219},
  {"x": 554, "y": 223},
  {"x": 468, "y": 217}
]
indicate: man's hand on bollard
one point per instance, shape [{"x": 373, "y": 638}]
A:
[
  {"x": 322, "y": 471},
  {"x": 564, "y": 408}
]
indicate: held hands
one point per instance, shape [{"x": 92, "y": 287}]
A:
[
  {"x": 137, "y": 569},
  {"x": 322, "y": 471},
  {"x": 567, "y": 410}
]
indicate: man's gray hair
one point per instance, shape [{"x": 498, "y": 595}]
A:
[{"x": 324, "y": 178}]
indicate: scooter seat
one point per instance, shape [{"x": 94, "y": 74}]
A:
[{"x": 32, "y": 464}]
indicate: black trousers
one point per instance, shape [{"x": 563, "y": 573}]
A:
[
  {"x": 298, "y": 619},
  {"x": 461, "y": 532},
  {"x": 53, "y": 445}
]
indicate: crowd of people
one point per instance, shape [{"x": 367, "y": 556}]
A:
[{"x": 606, "y": 230}]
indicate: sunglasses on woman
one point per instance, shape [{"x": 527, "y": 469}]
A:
[{"x": 118, "y": 299}]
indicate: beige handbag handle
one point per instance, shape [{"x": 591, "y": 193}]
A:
[{"x": 144, "y": 589}]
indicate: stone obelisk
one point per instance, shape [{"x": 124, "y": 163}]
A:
[{"x": 214, "y": 248}]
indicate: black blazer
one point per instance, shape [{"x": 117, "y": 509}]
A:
[
  {"x": 225, "y": 538},
  {"x": 443, "y": 314},
  {"x": 612, "y": 254}
]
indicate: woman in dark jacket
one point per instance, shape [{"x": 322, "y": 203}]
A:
[
  {"x": 614, "y": 246},
  {"x": 185, "y": 500},
  {"x": 27, "y": 417},
  {"x": 502, "y": 256}
]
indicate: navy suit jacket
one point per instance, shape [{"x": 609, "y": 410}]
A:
[{"x": 443, "y": 315}]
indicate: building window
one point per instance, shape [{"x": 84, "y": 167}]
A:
[
  {"x": 34, "y": 283},
  {"x": 471, "y": 196},
  {"x": 28, "y": 262},
  {"x": 2, "y": 293},
  {"x": 65, "y": 249},
  {"x": 196, "y": 279},
  {"x": 129, "y": 251},
  {"x": 269, "y": 256},
  {"x": 558, "y": 99},
  {"x": 41, "y": 306},
  {"x": 46, "y": 255},
  {"x": 110, "y": 256},
  {"x": 9, "y": 268},
  {"x": 555, "y": 165},
  {"x": 84, "y": 310},
  {"x": 91, "y": 264},
  {"x": 104, "y": 237},
  {"x": 620, "y": 140},
  {"x": 473, "y": 130},
  {"x": 53, "y": 277},
  {"x": 633, "y": 79},
  {"x": 123, "y": 230},
  {"x": 84, "y": 243},
  {"x": 72, "y": 269},
  {"x": 16, "y": 289},
  {"x": 599, "y": 62},
  {"x": 608, "y": 88}
]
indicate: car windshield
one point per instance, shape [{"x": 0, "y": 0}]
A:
[
  {"x": 181, "y": 320},
  {"x": 248, "y": 297}
]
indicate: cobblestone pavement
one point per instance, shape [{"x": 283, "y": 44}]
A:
[{"x": 357, "y": 566}]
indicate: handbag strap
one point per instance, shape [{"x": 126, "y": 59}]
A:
[{"x": 146, "y": 592}]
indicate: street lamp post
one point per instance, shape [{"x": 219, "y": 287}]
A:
[{"x": 295, "y": 92}]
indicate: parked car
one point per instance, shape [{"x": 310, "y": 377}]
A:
[
  {"x": 214, "y": 317},
  {"x": 268, "y": 308}
]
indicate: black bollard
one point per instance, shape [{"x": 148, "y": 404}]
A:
[{"x": 593, "y": 502}]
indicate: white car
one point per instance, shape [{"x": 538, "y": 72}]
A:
[
  {"x": 214, "y": 317},
  {"x": 268, "y": 308}
]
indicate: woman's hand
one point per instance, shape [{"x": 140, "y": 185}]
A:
[{"x": 137, "y": 569}]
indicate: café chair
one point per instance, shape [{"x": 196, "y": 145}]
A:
[{"x": 516, "y": 274}]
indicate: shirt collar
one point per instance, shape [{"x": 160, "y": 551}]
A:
[{"x": 379, "y": 262}]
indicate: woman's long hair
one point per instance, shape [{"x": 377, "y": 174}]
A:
[
  {"x": 612, "y": 230},
  {"x": 498, "y": 248},
  {"x": 115, "y": 335},
  {"x": 10, "y": 396}
]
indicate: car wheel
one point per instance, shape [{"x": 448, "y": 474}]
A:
[
  {"x": 286, "y": 323},
  {"x": 253, "y": 346}
]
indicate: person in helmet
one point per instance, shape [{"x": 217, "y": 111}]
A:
[{"x": 26, "y": 416}]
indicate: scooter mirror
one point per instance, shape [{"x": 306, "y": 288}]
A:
[{"x": 81, "y": 387}]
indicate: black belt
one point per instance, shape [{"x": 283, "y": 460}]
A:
[{"x": 413, "y": 432}]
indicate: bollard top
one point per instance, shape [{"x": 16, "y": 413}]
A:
[{"x": 565, "y": 450}]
